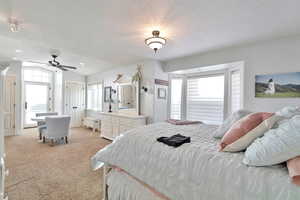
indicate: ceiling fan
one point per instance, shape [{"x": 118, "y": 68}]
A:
[{"x": 55, "y": 63}]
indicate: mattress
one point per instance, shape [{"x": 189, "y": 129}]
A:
[{"x": 196, "y": 170}]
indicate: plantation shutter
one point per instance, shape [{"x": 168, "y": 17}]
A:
[
  {"x": 176, "y": 95},
  {"x": 235, "y": 90},
  {"x": 205, "y": 99}
]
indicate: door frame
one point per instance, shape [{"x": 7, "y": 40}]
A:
[
  {"x": 48, "y": 100},
  {"x": 14, "y": 107},
  {"x": 83, "y": 84}
]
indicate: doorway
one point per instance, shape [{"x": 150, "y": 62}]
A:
[
  {"x": 75, "y": 102},
  {"x": 37, "y": 100}
]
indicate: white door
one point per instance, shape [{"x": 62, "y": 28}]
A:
[
  {"x": 2, "y": 164},
  {"x": 9, "y": 105},
  {"x": 37, "y": 100},
  {"x": 75, "y": 102}
]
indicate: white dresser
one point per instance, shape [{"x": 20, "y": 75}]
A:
[{"x": 113, "y": 124}]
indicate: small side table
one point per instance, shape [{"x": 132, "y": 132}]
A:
[{"x": 93, "y": 123}]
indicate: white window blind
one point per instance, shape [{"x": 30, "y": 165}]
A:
[
  {"x": 94, "y": 97},
  {"x": 235, "y": 90},
  {"x": 205, "y": 99},
  {"x": 176, "y": 94}
]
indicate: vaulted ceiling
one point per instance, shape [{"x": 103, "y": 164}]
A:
[{"x": 104, "y": 34}]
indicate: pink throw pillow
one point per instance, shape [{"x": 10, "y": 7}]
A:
[
  {"x": 294, "y": 170},
  {"x": 242, "y": 127}
]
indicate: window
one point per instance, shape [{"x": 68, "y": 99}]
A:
[
  {"x": 205, "y": 99},
  {"x": 207, "y": 96},
  {"x": 94, "y": 97},
  {"x": 37, "y": 75},
  {"x": 176, "y": 93}
]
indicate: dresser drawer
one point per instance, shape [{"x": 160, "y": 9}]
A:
[{"x": 112, "y": 125}]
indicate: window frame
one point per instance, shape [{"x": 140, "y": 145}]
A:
[
  {"x": 87, "y": 96},
  {"x": 227, "y": 88}
]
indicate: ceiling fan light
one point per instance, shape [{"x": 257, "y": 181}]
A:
[
  {"x": 156, "y": 42},
  {"x": 155, "y": 39},
  {"x": 155, "y": 45},
  {"x": 13, "y": 25}
]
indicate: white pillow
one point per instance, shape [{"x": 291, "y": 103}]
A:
[
  {"x": 276, "y": 146},
  {"x": 234, "y": 117},
  {"x": 289, "y": 111}
]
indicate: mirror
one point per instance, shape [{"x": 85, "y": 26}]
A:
[{"x": 128, "y": 98}]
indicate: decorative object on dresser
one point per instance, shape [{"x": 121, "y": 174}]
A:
[
  {"x": 114, "y": 124},
  {"x": 107, "y": 94},
  {"x": 137, "y": 77},
  {"x": 90, "y": 122}
]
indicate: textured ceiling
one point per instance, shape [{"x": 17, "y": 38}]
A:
[{"x": 104, "y": 34}]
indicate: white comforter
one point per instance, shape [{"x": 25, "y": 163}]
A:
[{"x": 196, "y": 170}]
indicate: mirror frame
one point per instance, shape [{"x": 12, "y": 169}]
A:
[{"x": 137, "y": 96}]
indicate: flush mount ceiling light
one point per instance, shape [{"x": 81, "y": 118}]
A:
[
  {"x": 155, "y": 42},
  {"x": 13, "y": 25}
]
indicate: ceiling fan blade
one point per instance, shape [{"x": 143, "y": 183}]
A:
[
  {"x": 59, "y": 67},
  {"x": 70, "y": 67}
]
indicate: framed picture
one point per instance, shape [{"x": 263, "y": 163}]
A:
[
  {"x": 284, "y": 85},
  {"x": 162, "y": 93},
  {"x": 107, "y": 93}
]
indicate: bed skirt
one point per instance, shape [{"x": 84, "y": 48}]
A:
[{"x": 118, "y": 184}]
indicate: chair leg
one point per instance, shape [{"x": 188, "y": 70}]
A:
[
  {"x": 40, "y": 134},
  {"x": 52, "y": 142},
  {"x": 66, "y": 139},
  {"x": 44, "y": 139}
]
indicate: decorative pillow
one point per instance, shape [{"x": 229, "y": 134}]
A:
[
  {"x": 294, "y": 170},
  {"x": 289, "y": 111},
  {"x": 276, "y": 146},
  {"x": 246, "y": 130},
  {"x": 220, "y": 132}
]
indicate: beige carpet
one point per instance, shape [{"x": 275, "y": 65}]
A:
[{"x": 62, "y": 172}]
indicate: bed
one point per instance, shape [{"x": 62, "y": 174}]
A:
[{"x": 136, "y": 166}]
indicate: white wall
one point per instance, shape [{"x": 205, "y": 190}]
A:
[
  {"x": 147, "y": 100},
  {"x": 268, "y": 57},
  {"x": 160, "y": 105}
]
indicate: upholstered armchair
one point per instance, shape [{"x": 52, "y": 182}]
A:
[
  {"x": 57, "y": 127},
  {"x": 42, "y": 125}
]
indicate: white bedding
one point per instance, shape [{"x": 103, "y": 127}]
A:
[{"x": 194, "y": 171}]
